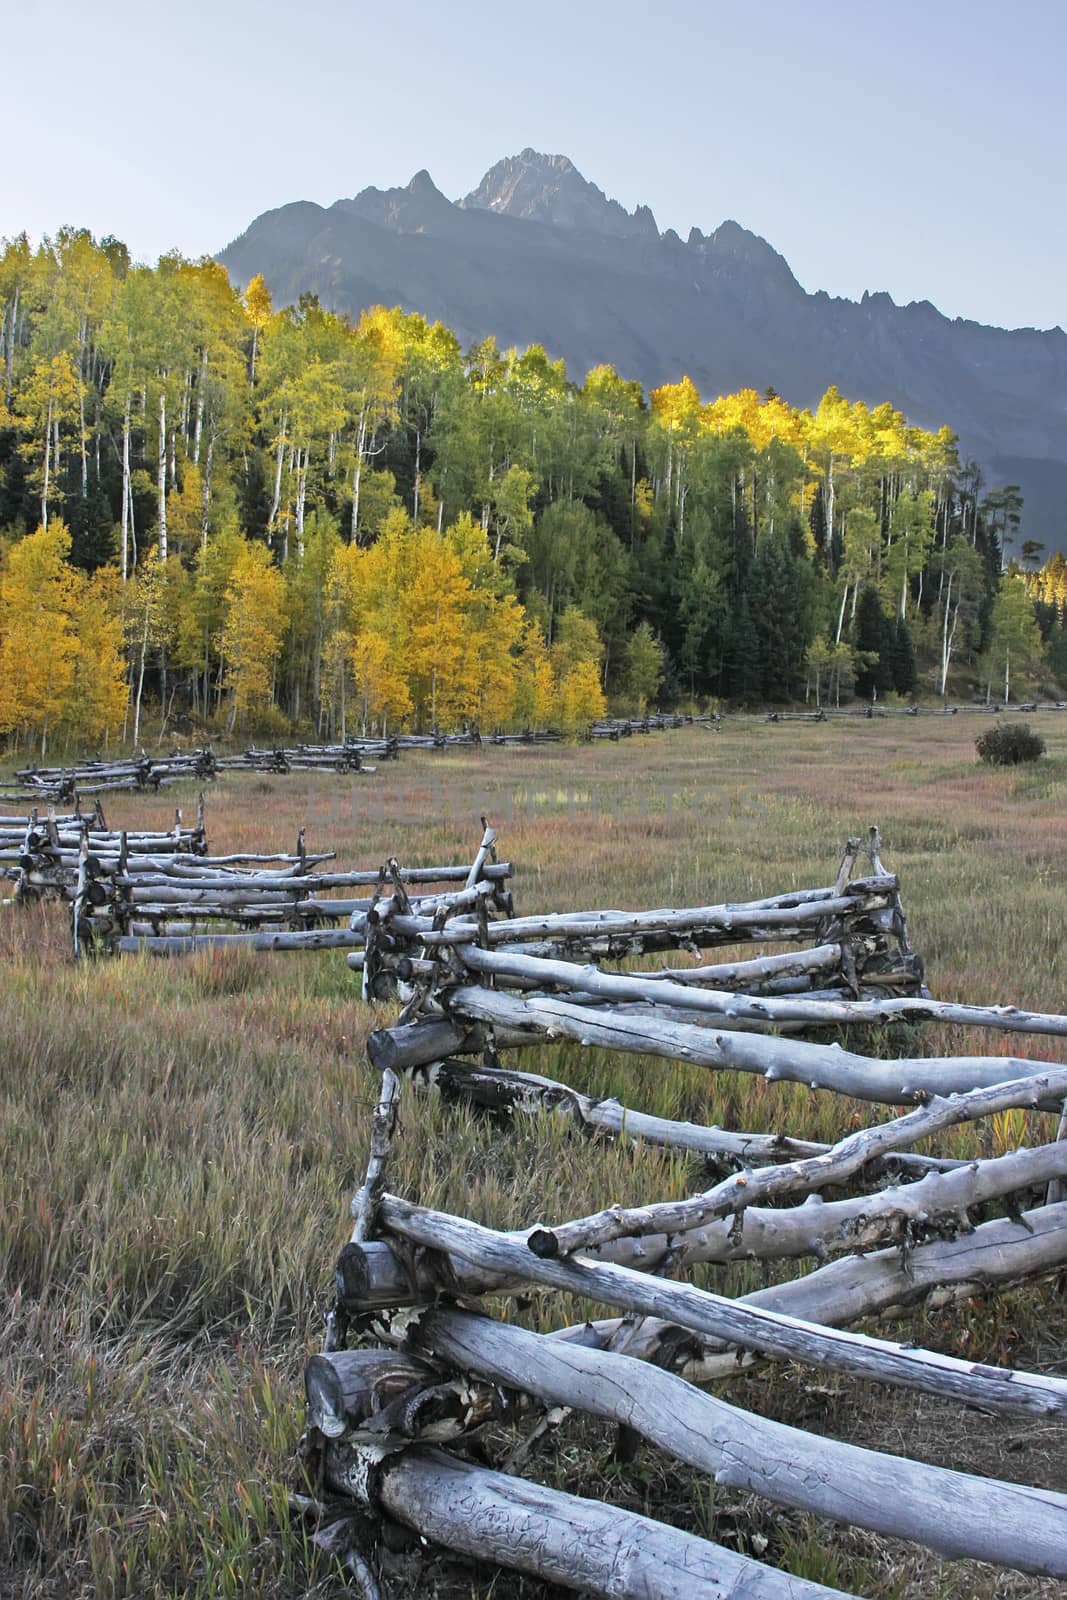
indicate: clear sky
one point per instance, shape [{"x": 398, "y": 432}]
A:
[{"x": 916, "y": 147}]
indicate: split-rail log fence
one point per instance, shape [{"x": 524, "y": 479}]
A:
[
  {"x": 390, "y": 1424},
  {"x": 42, "y": 856},
  {"x": 178, "y": 904},
  {"x": 356, "y": 754}
]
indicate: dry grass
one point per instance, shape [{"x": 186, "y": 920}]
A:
[{"x": 178, "y": 1144}]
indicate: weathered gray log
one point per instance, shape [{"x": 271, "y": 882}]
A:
[
  {"x": 365, "y": 1203},
  {"x": 580, "y": 1544},
  {"x": 373, "y": 1276},
  {"x": 845, "y": 1292},
  {"x": 731, "y": 1005},
  {"x": 790, "y": 1178},
  {"x": 885, "y": 1283},
  {"x": 415, "y": 1044},
  {"x": 400, "y": 918},
  {"x": 175, "y": 944},
  {"x": 746, "y": 975},
  {"x": 733, "y": 1322},
  {"x": 958, "y": 1515},
  {"x": 485, "y": 849},
  {"x": 346, "y": 1388},
  {"x": 935, "y": 1206},
  {"x": 898, "y": 1082},
  {"x": 506, "y": 1092},
  {"x": 783, "y": 917}
]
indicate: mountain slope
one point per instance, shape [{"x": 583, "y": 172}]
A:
[{"x": 536, "y": 253}]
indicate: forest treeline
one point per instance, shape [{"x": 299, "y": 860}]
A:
[{"x": 263, "y": 519}]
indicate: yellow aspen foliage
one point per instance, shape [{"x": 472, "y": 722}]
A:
[
  {"x": 435, "y": 599},
  {"x": 380, "y": 689},
  {"x": 95, "y": 701},
  {"x": 534, "y": 696},
  {"x": 344, "y": 583},
  {"x": 644, "y": 502},
  {"x": 494, "y": 635},
  {"x": 38, "y": 644},
  {"x": 257, "y": 301},
  {"x": 253, "y": 629},
  {"x": 185, "y": 509},
  {"x": 49, "y": 401},
  {"x": 336, "y": 679},
  {"x": 581, "y": 699},
  {"x": 576, "y": 640}
]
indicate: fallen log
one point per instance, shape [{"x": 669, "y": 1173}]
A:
[
  {"x": 954, "y": 1513},
  {"x": 853, "y": 1289},
  {"x": 802, "y": 1176},
  {"x": 732, "y": 1322},
  {"x": 580, "y": 1544},
  {"x": 731, "y": 1005},
  {"x": 781, "y": 917},
  {"x": 283, "y": 940},
  {"x": 898, "y": 1082},
  {"x": 503, "y": 1092}
]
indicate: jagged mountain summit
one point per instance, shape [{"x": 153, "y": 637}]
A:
[
  {"x": 537, "y": 253},
  {"x": 538, "y": 188}
]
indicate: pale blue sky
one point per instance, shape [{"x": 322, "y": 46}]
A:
[{"x": 914, "y": 147}]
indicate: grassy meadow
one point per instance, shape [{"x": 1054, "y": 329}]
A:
[{"x": 179, "y": 1143}]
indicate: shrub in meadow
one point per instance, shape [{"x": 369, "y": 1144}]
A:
[{"x": 1008, "y": 744}]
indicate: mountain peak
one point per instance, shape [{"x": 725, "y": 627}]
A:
[{"x": 549, "y": 188}]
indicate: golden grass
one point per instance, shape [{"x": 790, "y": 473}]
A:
[{"x": 179, "y": 1141}]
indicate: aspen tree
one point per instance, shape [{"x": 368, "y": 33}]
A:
[
  {"x": 38, "y": 643},
  {"x": 253, "y": 629}
]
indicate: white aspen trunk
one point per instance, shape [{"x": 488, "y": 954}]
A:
[
  {"x": 161, "y": 474},
  {"x": 198, "y": 431},
  {"x": 140, "y": 677},
  {"x": 841, "y": 615},
  {"x": 133, "y": 527},
  {"x": 205, "y": 490},
  {"x": 81, "y": 411},
  {"x": 947, "y": 634},
  {"x": 9, "y": 375},
  {"x": 418, "y": 476},
  {"x": 1007, "y": 674},
  {"x": 830, "y": 502},
  {"x": 125, "y": 515},
  {"x": 279, "y": 458},
  {"x": 47, "y": 464},
  {"x": 301, "y": 496}
]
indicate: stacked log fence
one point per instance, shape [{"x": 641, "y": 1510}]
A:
[
  {"x": 66, "y": 785},
  {"x": 42, "y": 856},
  {"x": 144, "y": 773},
  {"x": 890, "y": 1220},
  {"x": 162, "y": 893},
  {"x": 127, "y": 903}
]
